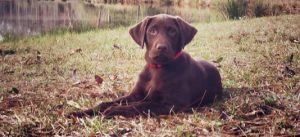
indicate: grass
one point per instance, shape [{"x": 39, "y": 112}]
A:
[{"x": 53, "y": 74}]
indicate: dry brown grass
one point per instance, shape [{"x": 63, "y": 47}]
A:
[{"x": 51, "y": 75}]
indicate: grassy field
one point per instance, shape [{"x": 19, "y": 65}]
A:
[{"x": 48, "y": 76}]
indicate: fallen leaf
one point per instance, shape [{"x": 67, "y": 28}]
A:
[
  {"x": 116, "y": 46},
  {"x": 15, "y": 90},
  {"x": 79, "y": 50},
  {"x": 290, "y": 59},
  {"x": 218, "y": 60},
  {"x": 289, "y": 72},
  {"x": 294, "y": 39},
  {"x": 98, "y": 79},
  {"x": 4, "y": 52},
  {"x": 74, "y": 74},
  {"x": 76, "y": 83},
  {"x": 121, "y": 132}
]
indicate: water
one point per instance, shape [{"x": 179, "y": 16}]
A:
[{"x": 33, "y": 17}]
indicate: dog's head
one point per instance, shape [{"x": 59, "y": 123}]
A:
[{"x": 164, "y": 36}]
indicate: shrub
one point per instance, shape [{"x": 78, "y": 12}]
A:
[
  {"x": 260, "y": 9},
  {"x": 234, "y": 9}
]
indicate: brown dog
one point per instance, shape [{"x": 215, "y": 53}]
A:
[{"x": 171, "y": 81}]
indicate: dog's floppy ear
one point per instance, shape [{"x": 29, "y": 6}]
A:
[
  {"x": 187, "y": 32},
  {"x": 138, "y": 32}
]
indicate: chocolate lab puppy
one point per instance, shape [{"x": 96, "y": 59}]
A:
[{"x": 171, "y": 80}]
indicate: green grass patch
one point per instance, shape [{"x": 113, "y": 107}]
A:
[{"x": 53, "y": 74}]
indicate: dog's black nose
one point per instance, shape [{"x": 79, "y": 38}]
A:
[{"x": 161, "y": 47}]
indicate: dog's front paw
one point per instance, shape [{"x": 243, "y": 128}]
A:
[{"x": 118, "y": 111}]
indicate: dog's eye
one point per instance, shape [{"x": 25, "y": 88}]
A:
[
  {"x": 172, "y": 31},
  {"x": 152, "y": 31}
]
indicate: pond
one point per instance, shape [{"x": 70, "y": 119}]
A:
[{"x": 33, "y": 17}]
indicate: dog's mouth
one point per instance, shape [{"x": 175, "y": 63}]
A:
[{"x": 160, "y": 58}]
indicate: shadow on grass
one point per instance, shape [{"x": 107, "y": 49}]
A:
[{"x": 251, "y": 110}]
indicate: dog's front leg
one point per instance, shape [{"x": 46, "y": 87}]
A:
[
  {"x": 138, "y": 108},
  {"x": 99, "y": 109},
  {"x": 137, "y": 94}
]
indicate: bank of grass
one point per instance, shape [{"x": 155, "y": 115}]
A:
[
  {"x": 236, "y": 9},
  {"x": 53, "y": 74}
]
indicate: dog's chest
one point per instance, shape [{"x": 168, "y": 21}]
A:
[{"x": 165, "y": 85}]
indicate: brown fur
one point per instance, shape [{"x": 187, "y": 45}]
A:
[{"x": 176, "y": 84}]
